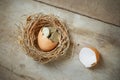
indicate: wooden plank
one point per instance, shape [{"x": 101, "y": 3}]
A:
[
  {"x": 103, "y": 10},
  {"x": 7, "y": 74},
  {"x": 83, "y": 31}
]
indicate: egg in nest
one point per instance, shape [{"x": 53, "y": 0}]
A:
[{"x": 48, "y": 38}]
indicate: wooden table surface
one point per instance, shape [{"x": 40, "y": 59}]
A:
[
  {"x": 104, "y": 10},
  {"x": 16, "y": 65}
]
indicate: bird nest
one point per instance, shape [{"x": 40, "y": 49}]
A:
[{"x": 30, "y": 33}]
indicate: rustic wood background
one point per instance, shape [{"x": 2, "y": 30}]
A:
[
  {"x": 104, "y": 10},
  {"x": 16, "y": 65}
]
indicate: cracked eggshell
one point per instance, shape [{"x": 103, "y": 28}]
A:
[
  {"x": 44, "y": 43},
  {"x": 89, "y": 56}
]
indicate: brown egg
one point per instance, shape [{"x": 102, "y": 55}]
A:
[
  {"x": 89, "y": 56},
  {"x": 44, "y": 43}
]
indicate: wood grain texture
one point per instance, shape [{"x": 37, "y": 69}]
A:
[
  {"x": 8, "y": 74},
  {"x": 16, "y": 65},
  {"x": 103, "y": 10}
]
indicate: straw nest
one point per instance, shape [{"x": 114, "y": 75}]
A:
[{"x": 30, "y": 32}]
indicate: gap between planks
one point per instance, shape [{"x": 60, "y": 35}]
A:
[{"x": 76, "y": 13}]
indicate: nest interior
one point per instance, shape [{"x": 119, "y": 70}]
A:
[{"x": 33, "y": 25}]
